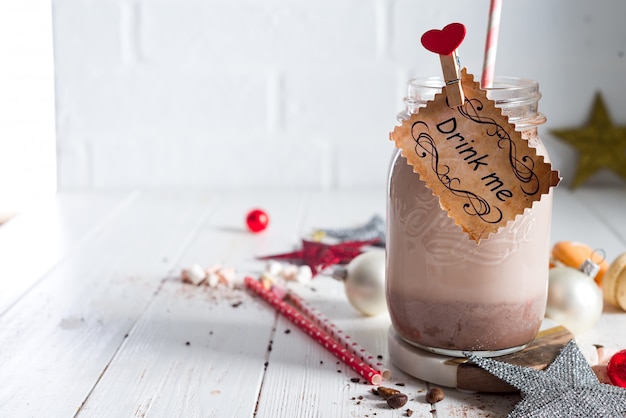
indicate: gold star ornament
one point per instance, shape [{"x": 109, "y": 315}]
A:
[{"x": 600, "y": 144}]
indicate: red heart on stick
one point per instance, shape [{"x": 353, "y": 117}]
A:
[{"x": 444, "y": 41}]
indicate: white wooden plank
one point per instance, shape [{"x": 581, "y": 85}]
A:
[
  {"x": 462, "y": 404},
  {"x": 344, "y": 208},
  {"x": 286, "y": 209},
  {"x": 56, "y": 342},
  {"x": 197, "y": 352},
  {"x": 609, "y": 204},
  {"x": 221, "y": 370},
  {"x": 32, "y": 243},
  {"x": 574, "y": 220}
]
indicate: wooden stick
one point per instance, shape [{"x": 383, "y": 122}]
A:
[
  {"x": 374, "y": 377},
  {"x": 453, "y": 88}
]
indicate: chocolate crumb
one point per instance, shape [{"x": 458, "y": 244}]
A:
[
  {"x": 287, "y": 331},
  {"x": 361, "y": 397},
  {"x": 187, "y": 343},
  {"x": 355, "y": 380},
  {"x": 358, "y": 403},
  {"x": 379, "y": 357},
  {"x": 385, "y": 392},
  {"x": 266, "y": 364},
  {"x": 409, "y": 412},
  {"x": 400, "y": 384},
  {"x": 338, "y": 371},
  {"x": 321, "y": 362},
  {"x": 397, "y": 401},
  {"x": 434, "y": 395},
  {"x": 236, "y": 304}
]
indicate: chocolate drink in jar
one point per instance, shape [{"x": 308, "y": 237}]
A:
[{"x": 446, "y": 292}]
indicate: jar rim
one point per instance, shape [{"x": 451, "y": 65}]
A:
[
  {"x": 505, "y": 89},
  {"x": 500, "y": 82},
  {"x": 507, "y": 92}
]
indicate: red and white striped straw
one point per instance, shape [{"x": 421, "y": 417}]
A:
[
  {"x": 331, "y": 329},
  {"x": 491, "y": 44},
  {"x": 373, "y": 376}
]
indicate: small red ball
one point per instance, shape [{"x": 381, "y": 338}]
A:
[
  {"x": 616, "y": 369},
  {"x": 257, "y": 220}
]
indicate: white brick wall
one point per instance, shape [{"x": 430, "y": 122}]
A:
[
  {"x": 27, "y": 124},
  {"x": 229, "y": 93}
]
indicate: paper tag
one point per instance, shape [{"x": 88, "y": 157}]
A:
[{"x": 480, "y": 167}]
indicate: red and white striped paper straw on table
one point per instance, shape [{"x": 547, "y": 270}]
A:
[{"x": 373, "y": 376}]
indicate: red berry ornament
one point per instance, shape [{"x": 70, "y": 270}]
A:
[
  {"x": 257, "y": 220},
  {"x": 616, "y": 369}
]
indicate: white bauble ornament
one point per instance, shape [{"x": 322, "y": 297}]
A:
[
  {"x": 574, "y": 299},
  {"x": 364, "y": 280}
]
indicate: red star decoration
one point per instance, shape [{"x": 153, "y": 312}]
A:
[{"x": 319, "y": 256}]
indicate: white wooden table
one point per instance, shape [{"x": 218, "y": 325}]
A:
[{"x": 94, "y": 320}]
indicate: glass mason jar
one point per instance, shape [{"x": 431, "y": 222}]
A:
[{"x": 445, "y": 293}]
